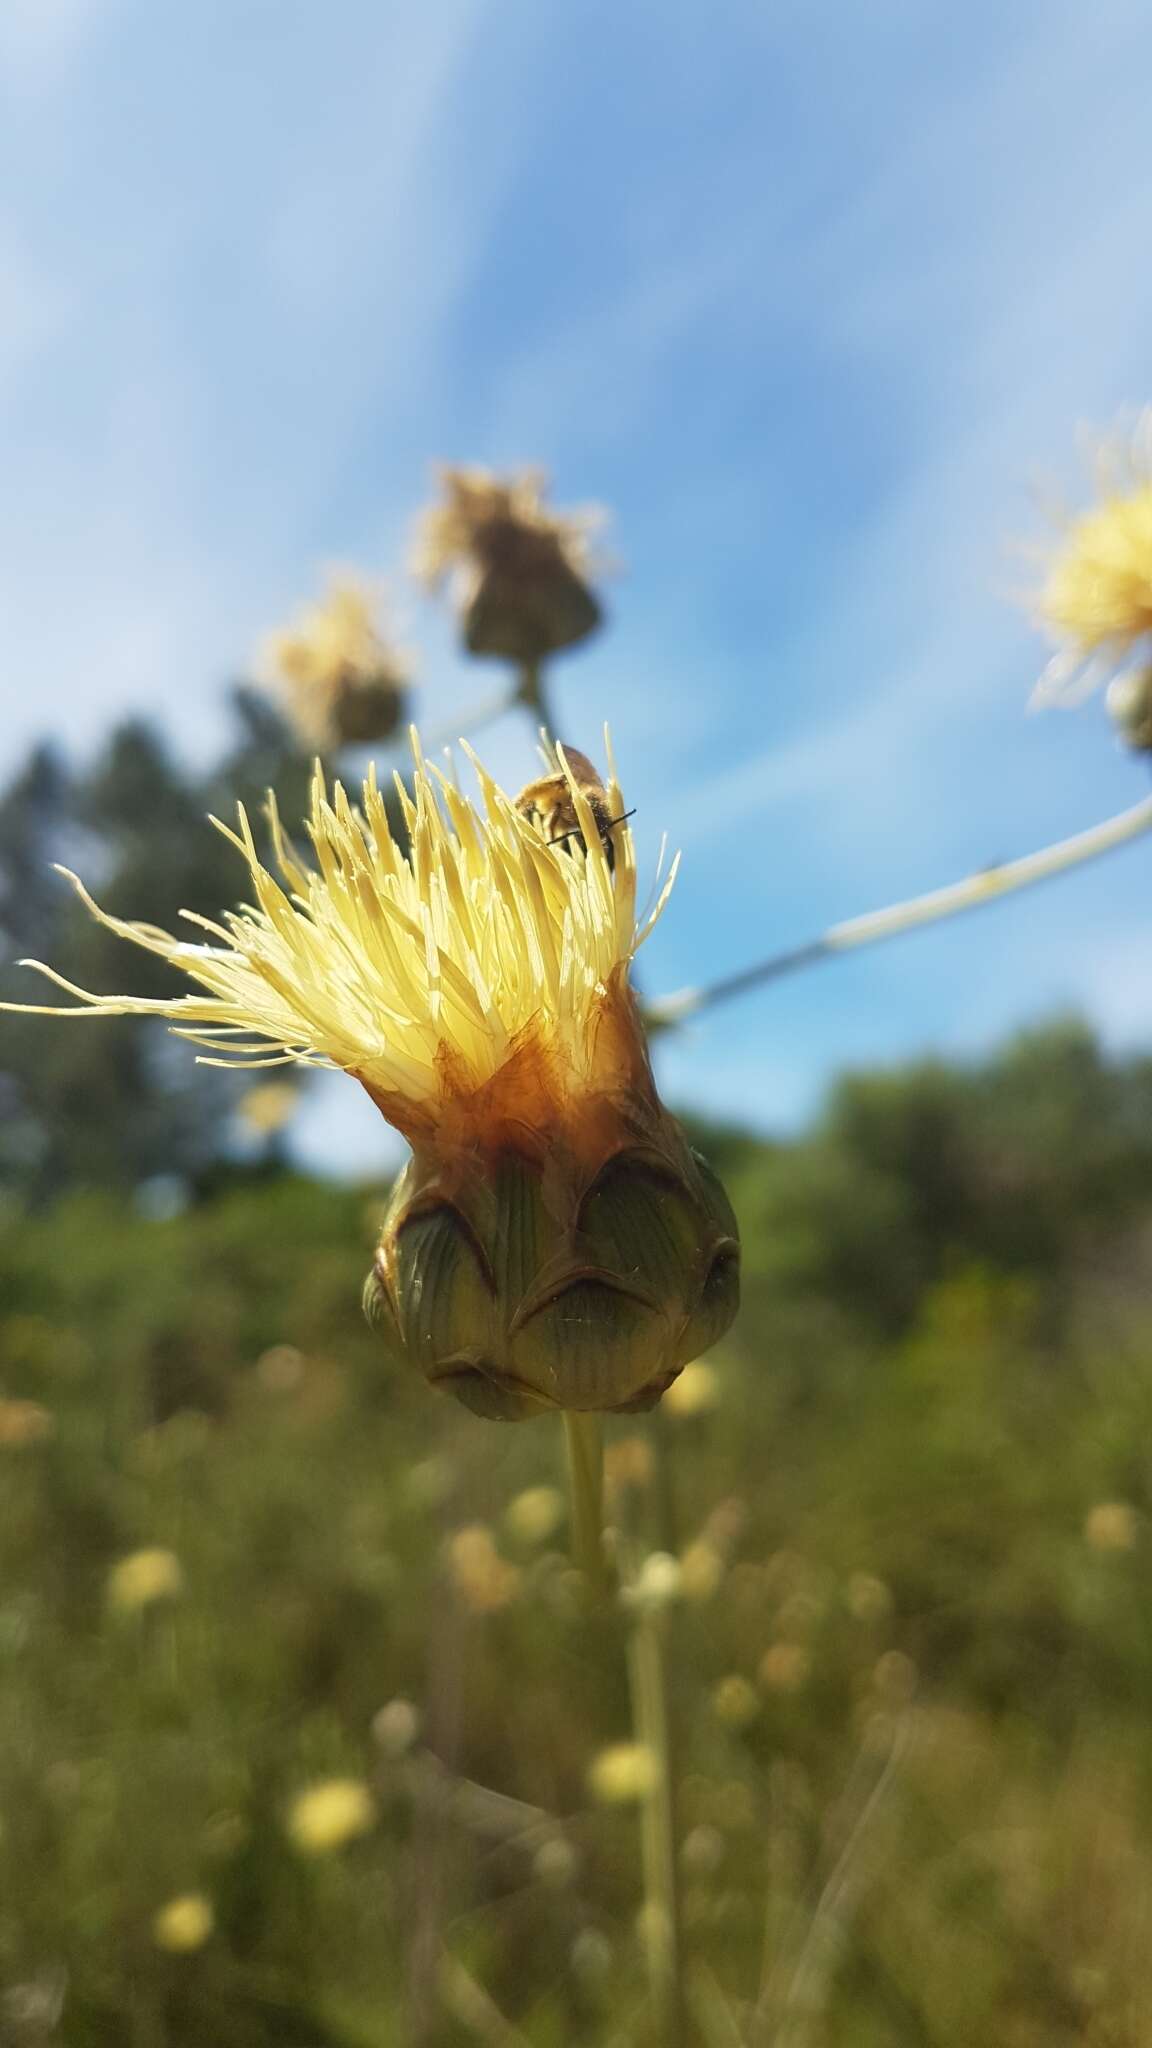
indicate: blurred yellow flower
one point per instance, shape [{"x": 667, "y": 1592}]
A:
[
  {"x": 330, "y": 1814},
  {"x": 1096, "y": 600},
  {"x": 23, "y": 1423},
  {"x": 341, "y": 682},
  {"x": 627, "y": 1464},
  {"x": 868, "y": 1598},
  {"x": 735, "y": 1701},
  {"x": 535, "y": 1514},
  {"x": 184, "y": 1924},
  {"x": 484, "y": 1580},
  {"x": 622, "y": 1774},
  {"x": 784, "y": 1667},
  {"x": 702, "y": 1569},
  {"x": 144, "y": 1577},
  {"x": 1112, "y": 1525},
  {"x": 268, "y": 1107},
  {"x": 696, "y": 1392}
]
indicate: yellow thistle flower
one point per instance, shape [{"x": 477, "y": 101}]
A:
[
  {"x": 1096, "y": 600},
  {"x": 184, "y": 1924},
  {"x": 327, "y": 1816},
  {"x": 143, "y": 1578},
  {"x": 341, "y": 683},
  {"x": 520, "y": 573},
  {"x": 554, "y": 1242}
]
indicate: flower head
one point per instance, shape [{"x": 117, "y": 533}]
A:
[
  {"x": 328, "y": 1815},
  {"x": 1096, "y": 599},
  {"x": 143, "y": 1578},
  {"x": 554, "y": 1241},
  {"x": 520, "y": 573},
  {"x": 341, "y": 683},
  {"x": 184, "y": 1924}
]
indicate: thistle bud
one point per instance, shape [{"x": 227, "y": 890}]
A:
[
  {"x": 529, "y": 1284},
  {"x": 341, "y": 682},
  {"x": 520, "y": 573},
  {"x": 1129, "y": 702}
]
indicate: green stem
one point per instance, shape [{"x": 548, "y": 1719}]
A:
[
  {"x": 532, "y": 692},
  {"x": 648, "y": 1680},
  {"x": 585, "y": 1442}
]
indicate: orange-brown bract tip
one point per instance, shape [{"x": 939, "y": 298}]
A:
[{"x": 555, "y": 1249}]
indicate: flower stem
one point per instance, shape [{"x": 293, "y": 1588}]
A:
[
  {"x": 983, "y": 887},
  {"x": 586, "y": 1491},
  {"x": 648, "y": 1682},
  {"x": 532, "y": 692}
]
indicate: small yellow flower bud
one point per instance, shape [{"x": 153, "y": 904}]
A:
[
  {"x": 23, "y": 1423},
  {"x": 329, "y": 1815},
  {"x": 143, "y": 1578},
  {"x": 1111, "y": 1525},
  {"x": 484, "y": 1580},
  {"x": 735, "y": 1701},
  {"x": 184, "y": 1924},
  {"x": 535, "y": 1514},
  {"x": 622, "y": 1774}
]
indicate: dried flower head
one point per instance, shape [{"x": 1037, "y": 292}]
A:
[
  {"x": 520, "y": 574},
  {"x": 341, "y": 683},
  {"x": 554, "y": 1242},
  {"x": 1096, "y": 600}
]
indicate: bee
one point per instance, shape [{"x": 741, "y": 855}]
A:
[{"x": 548, "y": 805}]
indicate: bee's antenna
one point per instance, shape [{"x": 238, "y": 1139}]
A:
[{"x": 574, "y": 833}]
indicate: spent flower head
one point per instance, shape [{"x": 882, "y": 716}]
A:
[
  {"x": 520, "y": 573},
  {"x": 1096, "y": 599},
  {"x": 341, "y": 683},
  {"x": 554, "y": 1242}
]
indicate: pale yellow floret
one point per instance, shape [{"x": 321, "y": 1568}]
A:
[
  {"x": 1096, "y": 600},
  {"x": 400, "y": 969}
]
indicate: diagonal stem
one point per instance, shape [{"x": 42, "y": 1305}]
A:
[{"x": 983, "y": 887}]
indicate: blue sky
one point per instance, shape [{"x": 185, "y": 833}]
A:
[{"x": 813, "y": 296}]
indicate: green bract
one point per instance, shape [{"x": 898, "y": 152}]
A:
[{"x": 515, "y": 1308}]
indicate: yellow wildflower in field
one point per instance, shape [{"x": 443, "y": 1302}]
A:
[
  {"x": 535, "y": 1514},
  {"x": 622, "y": 1773},
  {"x": 143, "y": 1578},
  {"x": 341, "y": 682},
  {"x": 184, "y": 1924},
  {"x": 1096, "y": 599},
  {"x": 554, "y": 1241},
  {"x": 785, "y": 1667},
  {"x": 484, "y": 1580},
  {"x": 328, "y": 1815},
  {"x": 735, "y": 1701},
  {"x": 23, "y": 1423},
  {"x": 696, "y": 1392},
  {"x": 1112, "y": 1525},
  {"x": 267, "y": 1107}
]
